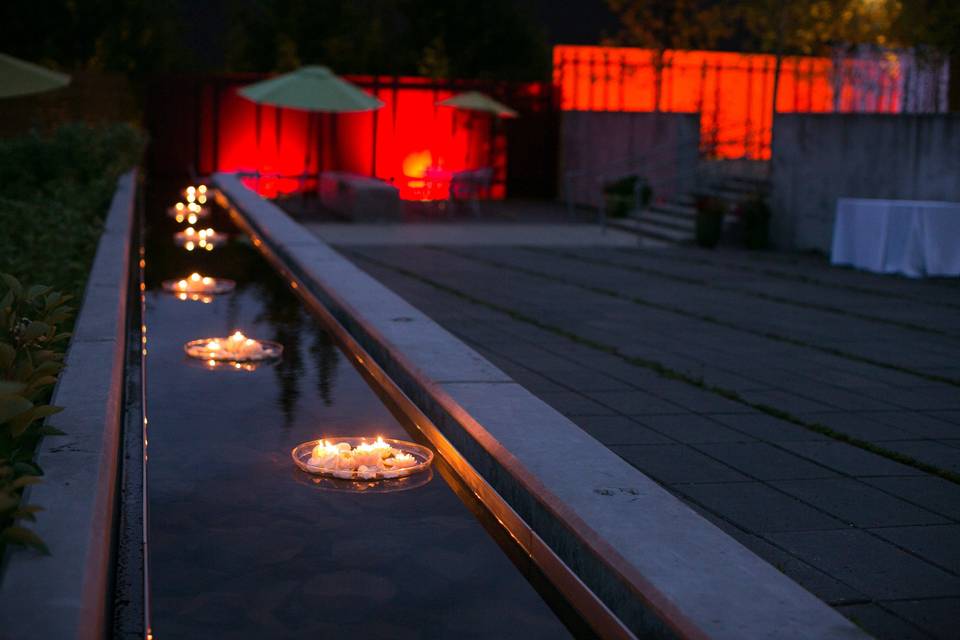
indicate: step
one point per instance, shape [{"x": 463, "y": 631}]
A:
[
  {"x": 650, "y": 232},
  {"x": 669, "y": 234},
  {"x": 666, "y": 220},
  {"x": 675, "y": 208}
]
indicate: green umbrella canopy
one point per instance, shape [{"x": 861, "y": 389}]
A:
[
  {"x": 20, "y": 78},
  {"x": 311, "y": 89},
  {"x": 476, "y": 101}
]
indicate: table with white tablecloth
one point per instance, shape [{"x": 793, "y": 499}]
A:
[{"x": 913, "y": 237}]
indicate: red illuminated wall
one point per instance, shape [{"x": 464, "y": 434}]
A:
[
  {"x": 417, "y": 145},
  {"x": 733, "y": 92}
]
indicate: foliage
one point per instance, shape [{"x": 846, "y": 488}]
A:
[
  {"x": 755, "y": 216},
  {"x": 709, "y": 222},
  {"x": 621, "y": 194},
  {"x": 932, "y": 27},
  {"x": 31, "y": 357},
  {"x": 451, "y": 38},
  {"x": 133, "y": 36},
  {"x": 816, "y": 27},
  {"x": 56, "y": 190},
  {"x": 657, "y": 25}
]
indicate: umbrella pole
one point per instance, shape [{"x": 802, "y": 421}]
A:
[
  {"x": 373, "y": 149},
  {"x": 307, "y": 140},
  {"x": 257, "y": 160}
]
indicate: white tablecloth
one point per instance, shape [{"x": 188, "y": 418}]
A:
[{"x": 912, "y": 237}]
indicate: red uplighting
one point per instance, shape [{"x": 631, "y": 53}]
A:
[
  {"x": 411, "y": 142},
  {"x": 733, "y": 92}
]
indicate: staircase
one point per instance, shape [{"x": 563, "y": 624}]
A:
[{"x": 674, "y": 220}]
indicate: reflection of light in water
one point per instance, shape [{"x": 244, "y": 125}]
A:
[
  {"x": 191, "y": 238},
  {"x": 189, "y": 213},
  {"x": 198, "y": 287},
  {"x": 324, "y": 483}
]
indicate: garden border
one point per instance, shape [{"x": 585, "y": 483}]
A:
[
  {"x": 68, "y": 594},
  {"x": 673, "y": 575}
]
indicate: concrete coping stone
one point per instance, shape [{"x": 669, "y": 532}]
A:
[
  {"x": 661, "y": 567},
  {"x": 68, "y": 593}
]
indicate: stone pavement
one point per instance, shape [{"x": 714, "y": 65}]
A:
[{"x": 812, "y": 413}]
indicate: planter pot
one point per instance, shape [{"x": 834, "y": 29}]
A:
[
  {"x": 709, "y": 228},
  {"x": 618, "y": 205}
]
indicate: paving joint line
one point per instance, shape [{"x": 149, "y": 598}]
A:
[
  {"x": 745, "y": 292},
  {"x": 711, "y": 319},
  {"x": 669, "y": 373},
  {"x": 796, "y": 277}
]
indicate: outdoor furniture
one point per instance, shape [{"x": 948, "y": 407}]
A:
[
  {"x": 913, "y": 238},
  {"x": 359, "y": 198},
  {"x": 470, "y": 185}
]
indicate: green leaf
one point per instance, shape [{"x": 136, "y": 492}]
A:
[
  {"x": 19, "y": 535},
  {"x": 8, "y": 387},
  {"x": 26, "y": 469},
  {"x": 12, "y": 406},
  {"x": 7, "y": 354},
  {"x": 36, "y": 290},
  {"x": 44, "y": 410},
  {"x": 35, "y": 330},
  {"x": 42, "y": 381},
  {"x": 24, "y": 481},
  {"x": 49, "y": 368},
  {"x": 47, "y": 430},
  {"x": 8, "y": 501},
  {"x": 15, "y": 287}
]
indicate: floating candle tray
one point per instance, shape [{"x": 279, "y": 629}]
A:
[
  {"x": 199, "y": 349},
  {"x": 422, "y": 456}
]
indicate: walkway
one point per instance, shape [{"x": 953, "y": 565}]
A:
[{"x": 812, "y": 413}]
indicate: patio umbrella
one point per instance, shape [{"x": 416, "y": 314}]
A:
[
  {"x": 476, "y": 101},
  {"x": 313, "y": 89},
  {"x": 21, "y": 78}
]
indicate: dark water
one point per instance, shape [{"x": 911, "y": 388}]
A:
[{"x": 241, "y": 544}]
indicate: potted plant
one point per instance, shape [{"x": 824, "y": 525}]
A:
[
  {"x": 709, "y": 225},
  {"x": 755, "y": 216},
  {"x": 620, "y": 195}
]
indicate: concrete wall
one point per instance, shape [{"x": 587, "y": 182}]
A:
[
  {"x": 818, "y": 158},
  {"x": 599, "y": 146}
]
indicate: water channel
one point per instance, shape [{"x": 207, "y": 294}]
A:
[{"x": 244, "y": 545}]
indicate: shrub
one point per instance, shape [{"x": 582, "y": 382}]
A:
[
  {"x": 31, "y": 358},
  {"x": 620, "y": 194},
  {"x": 709, "y": 224},
  {"x": 55, "y": 193}
]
